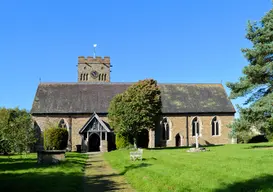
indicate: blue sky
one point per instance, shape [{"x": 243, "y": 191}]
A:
[{"x": 172, "y": 41}]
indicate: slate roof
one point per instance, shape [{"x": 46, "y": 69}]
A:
[{"x": 72, "y": 98}]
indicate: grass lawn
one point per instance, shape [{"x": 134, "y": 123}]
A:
[
  {"x": 24, "y": 174},
  {"x": 242, "y": 167}
]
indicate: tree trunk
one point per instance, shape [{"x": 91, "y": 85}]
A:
[{"x": 135, "y": 145}]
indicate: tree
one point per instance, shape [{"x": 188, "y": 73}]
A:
[
  {"x": 16, "y": 131},
  {"x": 5, "y": 144},
  {"x": 257, "y": 81},
  {"x": 136, "y": 109}
]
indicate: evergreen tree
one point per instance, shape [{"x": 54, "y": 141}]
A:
[{"x": 257, "y": 82}]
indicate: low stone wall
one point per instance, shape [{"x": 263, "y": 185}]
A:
[
  {"x": 104, "y": 146},
  {"x": 50, "y": 156}
]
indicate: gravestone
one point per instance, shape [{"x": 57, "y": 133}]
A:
[{"x": 50, "y": 156}]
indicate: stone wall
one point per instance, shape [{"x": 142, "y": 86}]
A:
[
  {"x": 178, "y": 125},
  {"x": 98, "y": 64},
  {"x": 104, "y": 146},
  {"x": 44, "y": 122},
  {"x": 75, "y": 122}
]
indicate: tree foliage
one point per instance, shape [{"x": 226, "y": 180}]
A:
[
  {"x": 257, "y": 81},
  {"x": 136, "y": 109},
  {"x": 55, "y": 138},
  {"x": 122, "y": 140},
  {"x": 16, "y": 131}
]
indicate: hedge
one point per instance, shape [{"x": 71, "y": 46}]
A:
[
  {"x": 122, "y": 141},
  {"x": 55, "y": 138}
]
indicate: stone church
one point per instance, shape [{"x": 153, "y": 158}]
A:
[{"x": 81, "y": 107}]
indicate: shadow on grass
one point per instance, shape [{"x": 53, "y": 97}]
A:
[
  {"x": 100, "y": 176},
  {"x": 42, "y": 181},
  {"x": 262, "y": 183},
  {"x": 21, "y": 174},
  {"x": 134, "y": 166},
  {"x": 6, "y": 159},
  {"x": 20, "y": 165},
  {"x": 260, "y": 147},
  {"x": 24, "y": 163},
  {"x": 150, "y": 158},
  {"x": 101, "y": 183},
  {"x": 11, "y": 164},
  {"x": 110, "y": 182}
]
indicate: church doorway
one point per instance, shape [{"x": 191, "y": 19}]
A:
[
  {"x": 177, "y": 140},
  {"x": 143, "y": 139},
  {"x": 94, "y": 142}
]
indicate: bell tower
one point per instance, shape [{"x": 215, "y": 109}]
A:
[{"x": 94, "y": 69}]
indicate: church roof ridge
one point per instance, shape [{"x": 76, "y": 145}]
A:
[
  {"x": 85, "y": 83},
  {"x": 118, "y": 83}
]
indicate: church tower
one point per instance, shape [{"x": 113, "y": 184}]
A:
[{"x": 93, "y": 69}]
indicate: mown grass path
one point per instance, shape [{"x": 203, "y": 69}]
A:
[{"x": 99, "y": 176}]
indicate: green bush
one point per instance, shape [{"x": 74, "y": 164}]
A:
[
  {"x": 122, "y": 141},
  {"x": 55, "y": 138},
  {"x": 5, "y": 147},
  {"x": 269, "y": 137}
]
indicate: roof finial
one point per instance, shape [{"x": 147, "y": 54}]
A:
[{"x": 95, "y": 45}]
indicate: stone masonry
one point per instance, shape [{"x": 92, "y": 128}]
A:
[
  {"x": 74, "y": 103},
  {"x": 92, "y": 69},
  {"x": 178, "y": 125}
]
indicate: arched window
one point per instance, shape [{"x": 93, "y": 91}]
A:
[
  {"x": 86, "y": 77},
  {"x": 104, "y": 77},
  {"x": 62, "y": 124},
  {"x": 165, "y": 129},
  {"x": 215, "y": 126},
  {"x": 177, "y": 140},
  {"x": 195, "y": 126},
  {"x": 81, "y": 77},
  {"x": 99, "y": 77}
]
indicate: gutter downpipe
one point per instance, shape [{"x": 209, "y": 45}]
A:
[{"x": 187, "y": 129}]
